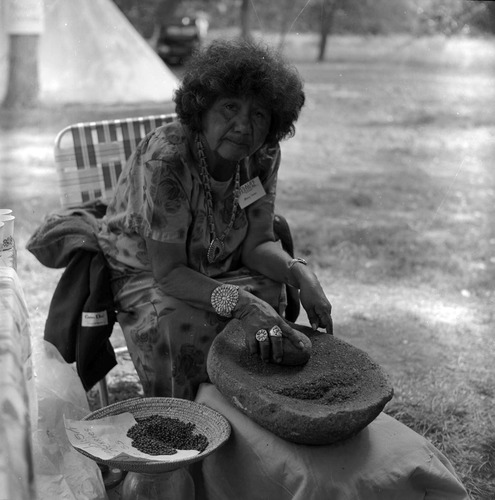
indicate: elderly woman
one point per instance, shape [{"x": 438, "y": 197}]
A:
[
  {"x": 189, "y": 234},
  {"x": 190, "y": 242}
]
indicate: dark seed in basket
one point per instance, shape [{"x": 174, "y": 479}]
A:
[{"x": 158, "y": 435}]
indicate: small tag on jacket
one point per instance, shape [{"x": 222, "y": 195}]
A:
[{"x": 94, "y": 318}]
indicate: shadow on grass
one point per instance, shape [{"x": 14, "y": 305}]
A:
[{"x": 444, "y": 391}]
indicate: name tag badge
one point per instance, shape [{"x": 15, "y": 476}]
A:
[
  {"x": 250, "y": 192},
  {"x": 90, "y": 319}
]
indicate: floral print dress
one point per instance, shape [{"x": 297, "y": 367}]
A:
[{"x": 160, "y": 196}]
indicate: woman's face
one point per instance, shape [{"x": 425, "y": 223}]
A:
[{"x": 235, "y": 128}]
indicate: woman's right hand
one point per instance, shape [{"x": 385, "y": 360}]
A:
[{"x": 258, "y": 317}]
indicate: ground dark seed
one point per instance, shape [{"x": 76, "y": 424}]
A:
[
  {"x": 158, "y": 435},
  {"x": 328, "y": 389}
]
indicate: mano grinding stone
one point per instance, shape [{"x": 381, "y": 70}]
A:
[{"x": 332, "y": 397}]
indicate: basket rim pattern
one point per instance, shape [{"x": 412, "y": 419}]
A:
[{"x": 208, "y": 422}]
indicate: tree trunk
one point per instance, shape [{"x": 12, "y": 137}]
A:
[
  {"x": 490, "y": 6},
  {"x": 23, "y": 83},
  {"x": 245, "y": 19},
  {"x": 285, "y": 19},
  {"x": 328, "y": 9}
]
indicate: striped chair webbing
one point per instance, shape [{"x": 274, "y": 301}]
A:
[{"x": 90, "y": 168}]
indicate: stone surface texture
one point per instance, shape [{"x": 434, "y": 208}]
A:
[{"x": 332, "y": 397}]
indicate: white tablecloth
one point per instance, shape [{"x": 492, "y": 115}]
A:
[
  {"x": 17, "y": 397},
  {"x": 37, "y": 389}
]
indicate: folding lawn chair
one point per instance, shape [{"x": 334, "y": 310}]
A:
[{"x": 89, "y": 158}]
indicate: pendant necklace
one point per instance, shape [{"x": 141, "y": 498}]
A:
[{"x": 217, "y": 245}]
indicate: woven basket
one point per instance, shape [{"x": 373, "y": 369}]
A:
[{"x": 208, "y": 422}]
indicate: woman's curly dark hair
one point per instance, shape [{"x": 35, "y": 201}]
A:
[{"x": 241, "y": 69}]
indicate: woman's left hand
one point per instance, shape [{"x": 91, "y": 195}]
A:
[{"x": 316, "y": 305}]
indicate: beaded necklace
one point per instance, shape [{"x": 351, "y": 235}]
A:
[{"x": 217, "y": 245}]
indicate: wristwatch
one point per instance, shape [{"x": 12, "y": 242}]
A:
[{"x": 297, "y": 260}]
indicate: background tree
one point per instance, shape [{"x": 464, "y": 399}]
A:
[
  {"x": 328, "y": 10},
  {"x": 23, "y": 79},
  {"x": 246, "y": 19},
  {"x": 285, "y": 21},
  {"x": 490, "y": 6},
  {"x": 451, "y": 17},
  {"x": 324, "y": 17},
  {"x": 361, "y": 17},
  {"x": 483, "y": 16},
  {"x": 24, "y": 21}
]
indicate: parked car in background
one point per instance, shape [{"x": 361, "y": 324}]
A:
[{"x": 177, "y": 39}]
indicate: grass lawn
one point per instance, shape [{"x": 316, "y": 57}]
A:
[{"x": 389, "y": 188}]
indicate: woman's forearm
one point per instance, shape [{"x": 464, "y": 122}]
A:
[
  {"x": 196, "y": 289},
  {"x": 190, "y": 286},
  {"x": 169, "y": 267},
  {"x": 271, "y": 260},
  {"x": 176, "y": 279}
]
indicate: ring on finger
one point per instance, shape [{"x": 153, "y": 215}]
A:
[
  {"x": 261, "y": 335},
  {"x": 276, "y": 331}
]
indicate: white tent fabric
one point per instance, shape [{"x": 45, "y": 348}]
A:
[{"x": 90, "y": 53}]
